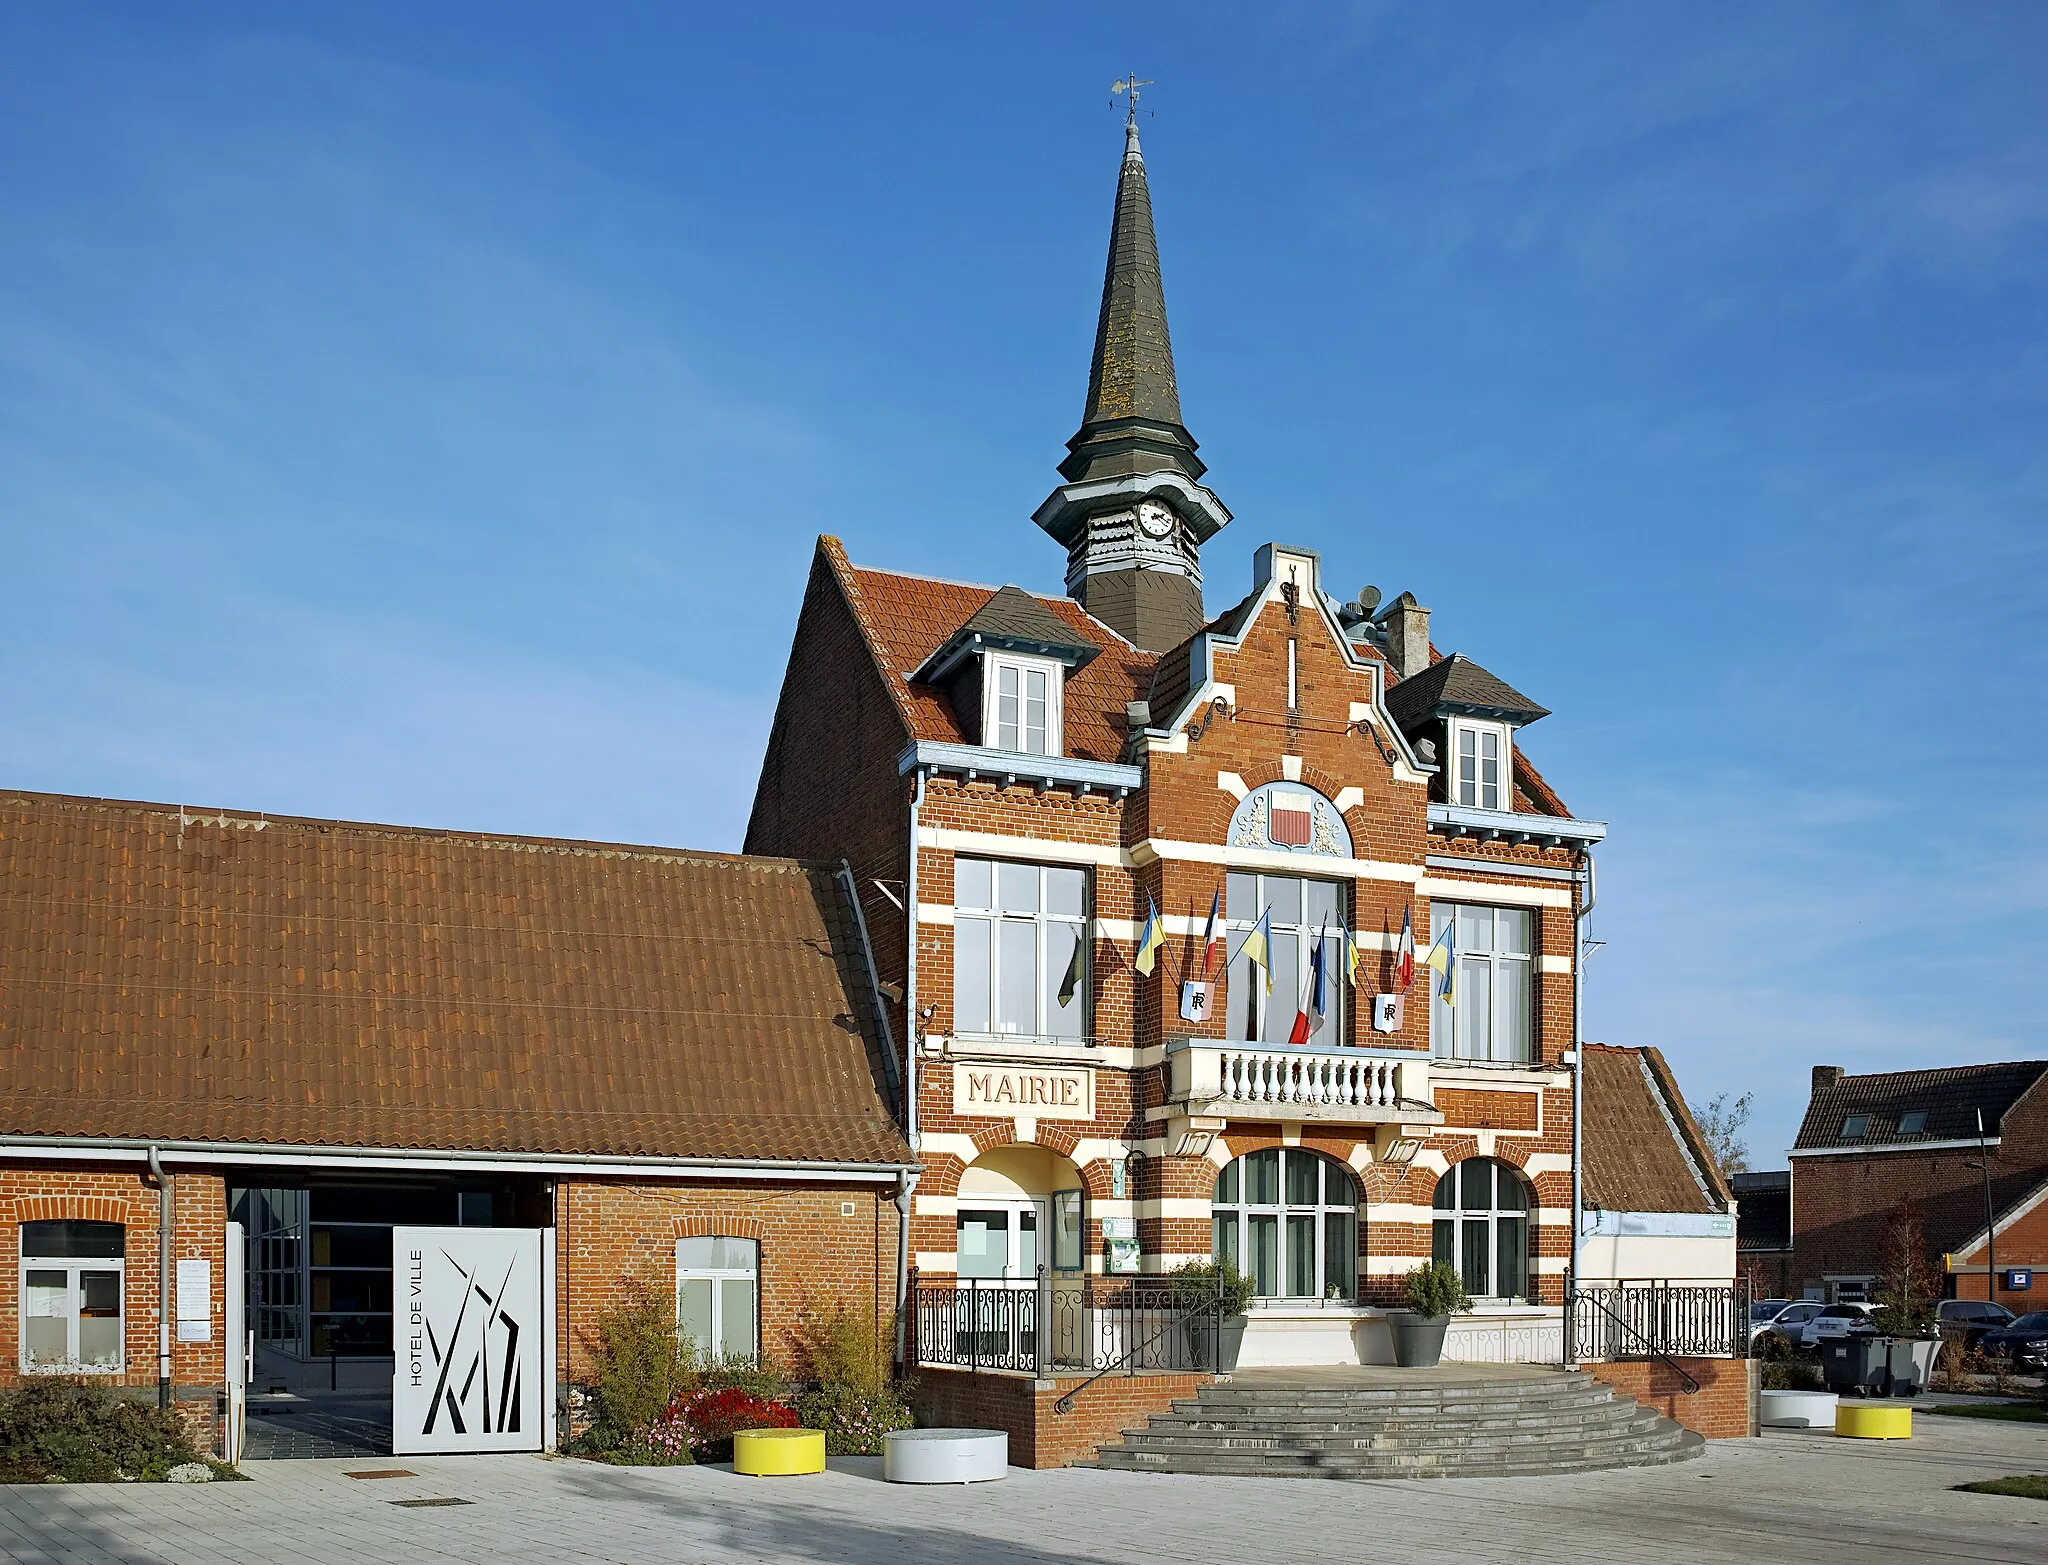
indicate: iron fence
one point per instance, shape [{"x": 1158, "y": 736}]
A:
[
  {"x": 1057, "y": 1325},
  {"x": 1644, "y": 1320}
]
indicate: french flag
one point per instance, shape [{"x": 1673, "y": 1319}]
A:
[
  {"x": 1310, "y": 1016},
  {"x": 1404, "y": 961}
]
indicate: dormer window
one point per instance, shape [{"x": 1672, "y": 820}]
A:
[
  {"x": 1021, "y": 703},
  {"x": 1479, "y": 765}
]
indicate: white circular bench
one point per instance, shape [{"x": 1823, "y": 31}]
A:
[
  {"x": 1796, "y": 1409},
  {"x": 945, "y": 1455}
]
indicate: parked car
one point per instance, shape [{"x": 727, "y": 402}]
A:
[
  {"x": 2024, "y": 1342},
  {"x": 1970, "y": 1319},
  {"x": 1789, "y": 1324},
  {"x": 1840, "y": 1320},
  {"x": 1762, "y": 1312}
]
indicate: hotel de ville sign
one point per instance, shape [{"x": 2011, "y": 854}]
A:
[
  {"x": 474, "y": 1339},
  {"x": 1040, "y": 1092}
]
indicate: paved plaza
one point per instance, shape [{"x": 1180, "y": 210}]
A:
[{"x": 1794, "y": 1497}]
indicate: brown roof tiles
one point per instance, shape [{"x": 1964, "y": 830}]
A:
[{"x": 217, "y": 976}]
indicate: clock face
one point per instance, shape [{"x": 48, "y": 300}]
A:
[{"x": 1155, "y": 519}]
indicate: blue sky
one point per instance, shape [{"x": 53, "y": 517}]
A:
[{"x": 424, "y": 414}]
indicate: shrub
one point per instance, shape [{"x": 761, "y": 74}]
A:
[
  {"x": 840, "y": 1346},
  {"x": 86, "y": 1434},
  {"x": 854, "y": 1418},
  {"x": 1197, "y": 1283},
  {"x": 1435, "y": 1289},
  {"x": 709, "y": 1419},
  {"x": 641, "y": 1365}
]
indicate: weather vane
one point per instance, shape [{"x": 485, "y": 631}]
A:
[{"x": 1130, "y": 84}]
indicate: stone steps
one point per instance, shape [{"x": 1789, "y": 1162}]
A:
[{"x": 1513, "y": 1426}]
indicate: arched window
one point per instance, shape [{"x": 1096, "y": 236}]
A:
[
  {"x": 1288, "y": 1219},
  {"x": 1482, "y": 1228}
]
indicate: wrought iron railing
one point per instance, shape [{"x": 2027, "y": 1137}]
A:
[
  {"x": 1054, "y": 1324},
  {"x": 1661, "y": 1320}
]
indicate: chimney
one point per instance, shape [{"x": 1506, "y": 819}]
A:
[
  {"x": 1405, "y": 623},
  {"x": 1826, "y": 1076}
]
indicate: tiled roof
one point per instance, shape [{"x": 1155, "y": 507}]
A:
[
  {"x": 1949, "y": 1097},
  {"x": 907, "y": 618},
  {"x": 1457, "y": 683},
  {"x": 216, "y": 976},
  {"x": 1643, "y": 1153},
  {"x": 1763, "y": 1220}
]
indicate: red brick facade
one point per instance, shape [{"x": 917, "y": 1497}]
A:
[
  {"x": 1842, "y": 1205},
  {"x": 1040, "y": 1435},
  {"x": 1724, "y": 1407}
]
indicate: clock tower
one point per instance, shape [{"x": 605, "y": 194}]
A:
[{"x": 1133, "y": 513}]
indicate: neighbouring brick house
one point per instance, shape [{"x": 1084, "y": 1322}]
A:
[
  {"x": 671, "y": 1062},
  {"x": 1873, "y": 1145},
  {"x": 1763, "y": 1232}
]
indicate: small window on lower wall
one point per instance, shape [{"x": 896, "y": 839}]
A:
[
  {"x": 718, "y": 1298},
  {"x": 71, "y": 1320}
]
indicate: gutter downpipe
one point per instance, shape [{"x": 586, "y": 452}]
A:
[
  {"x": 907, "y": 1182},
  {"x": 163, "y": 1279},
  {"x": 1571, "y": 1291}
]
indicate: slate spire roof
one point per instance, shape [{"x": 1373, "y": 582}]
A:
[{"x": 1132, "y": 424}]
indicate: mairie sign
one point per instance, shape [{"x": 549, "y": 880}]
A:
[{"x": 1003, "y": 1090}]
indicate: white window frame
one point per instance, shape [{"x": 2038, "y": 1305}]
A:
[
  {"x": 1451, "y": 1026},
  {"x": 993, "y": 665},
  {"x": 1230, "y": 1222},
  {"x": 1272, "y": 1015},
  {"x": 1457, "y": 1219},
  {"x": 718, "y": 1276},
  {"x": 1045, "y": 989},
  {"x": 1476, "y": 795},
  {"x": 71, "y": 1266}
]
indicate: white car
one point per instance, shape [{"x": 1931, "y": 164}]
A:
[
  {"x": 1789, "y": 1324},
  {"x": 1839, "y": 1320},
  {"x": 1763, "y": 1312}
]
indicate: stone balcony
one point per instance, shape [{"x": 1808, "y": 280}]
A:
[{"x": 1211, "y": 1080}]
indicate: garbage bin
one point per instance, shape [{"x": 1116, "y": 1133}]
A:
[
  {"x": 1909, "y": 1366},
  {"x": 1857, "y": 1366}
]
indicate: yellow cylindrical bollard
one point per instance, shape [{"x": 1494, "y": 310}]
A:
[
  {"x": 778, "y": 1453},
  {"x": 1873, "y": 1421}
]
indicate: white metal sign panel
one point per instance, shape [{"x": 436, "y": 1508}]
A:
[{"x": 470, "y": 1338}]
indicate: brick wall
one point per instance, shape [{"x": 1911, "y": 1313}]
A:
[
  {"x": 1842, "y": 1205},
  {"x": 121, "y": 1193},
  {"x": 1041, "y": 1436},
  {"x": 2022, "y": 1243},
  {"x": 814, "y": 1253},
  {"x": 1724, "y": 1408}
]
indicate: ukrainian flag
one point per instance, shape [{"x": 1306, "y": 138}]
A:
[
  {"x": 1443, "y": 956},
  {"x": 1256, "y": 944},
  {"x": 1152, "y": 938}
]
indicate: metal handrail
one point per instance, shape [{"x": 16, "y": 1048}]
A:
[
  {"x": 1692, "y": 1384},
  {"x": 1130, "y": 1355}
]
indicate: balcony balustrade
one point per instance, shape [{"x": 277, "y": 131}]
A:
[{"x": 1359, "y": 1086}]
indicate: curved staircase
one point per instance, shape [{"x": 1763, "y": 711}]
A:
[{"x": 1455, "y": 1422}]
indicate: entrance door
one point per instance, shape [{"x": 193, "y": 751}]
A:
[
  {"x": 997, "y": 1258},
  {"x": 474, "y": 1363}
]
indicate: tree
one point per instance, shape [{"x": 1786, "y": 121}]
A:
[
  {"x": 1721, "y": 1122},
  {"x": 1908, "y": 1284}
]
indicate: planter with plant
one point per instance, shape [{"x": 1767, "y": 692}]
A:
[
  {"x": 1211, "y": 1298},
  {"x": 1434, "y": 1292}
]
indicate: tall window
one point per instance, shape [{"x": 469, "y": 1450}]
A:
[
  {"x": 1021, "y": 699},
  {"x": 1482, "y": 1228},
  {"x": 71, "y": 1296},
  {"x": 1019, "y": 941},
  {"x": 718, "y": 1297},
  {"x": 1288, "y": 1219},
  {"x": 1487, "y": 1017},
  {"x": 1300, "y": 911},
  {"x": 1479, "y": 765}
]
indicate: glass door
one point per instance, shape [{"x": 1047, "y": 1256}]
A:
[{"x": 997, "y": 1254}]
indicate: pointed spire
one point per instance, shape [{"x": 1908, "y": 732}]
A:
[{"x": 1132, "y": 424}]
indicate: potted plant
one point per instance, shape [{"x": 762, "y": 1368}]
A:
[
  {"x": 1905, "y": 1298},
  {"x": 1435, "y": 1292},
  {"x": 1203, "y": 1291}
]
